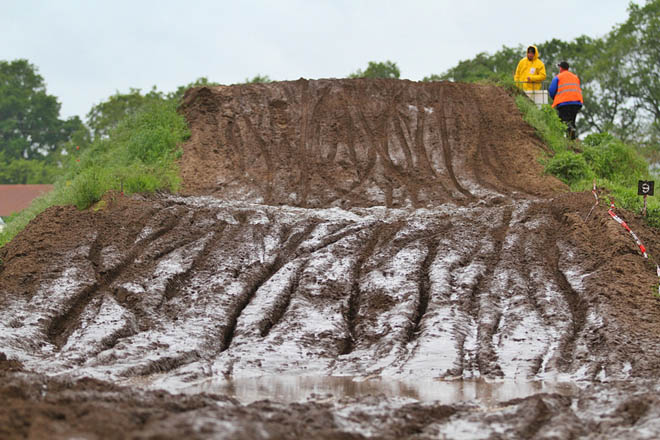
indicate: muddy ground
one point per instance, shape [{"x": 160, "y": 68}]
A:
[
  {"x": 377, "y": 230},
  {"x": 40, "y": 407}
]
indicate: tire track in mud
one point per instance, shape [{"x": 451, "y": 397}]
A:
[
  {"x": 259, "y": 279},
  {"x": 420, "y": 145},
  {"x": 399, "y": 127},
  {"x": 485, "y": 340},
  {"x": 282, "y": 306},
  {"x": 410, "y": 179},
  {"x": 441, "y": 119},
  {"x": 173, "y": 286},
  {"x": 382, "y": 233},
  {"x": 361, "y": 176},
  {"x": 538, "y": 276},
  {"x": 577, "y": 307},
  {"x": 485, "y": 171},
  {"x": 310, "y": 129},
  {"x": 424, "y": 290},
  {"x": 488, "y": 170},
  {"x": 239, "y": 160},
  {"x": 61, "y": 326},
  {"x": 374, "y": 148},
  {"x": 265, "y": 152},
  {"x": 161, "y": 365},
  {"x": 334, "y": 238},
  {"x": 530, "y": 288},
  {"x": 485, "y": 355},
  {"x": 418, "y": 140}
]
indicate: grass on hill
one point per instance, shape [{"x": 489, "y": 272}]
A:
[
  {"x": 139, "y": 155},
  {"x": 614, "y": 165}
]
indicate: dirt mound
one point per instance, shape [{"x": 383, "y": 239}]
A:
[
  {"x": 367, "y": 229},
  {"x": 359, "y": 142}
]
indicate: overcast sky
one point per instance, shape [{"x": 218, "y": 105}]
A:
[{"x": 88, "y": 50}]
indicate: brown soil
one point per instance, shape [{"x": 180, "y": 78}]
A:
[
  {"x": 300, "y": 246},
  {"x": 36, "y": 407},
  {"x": 359, "y": 143}
]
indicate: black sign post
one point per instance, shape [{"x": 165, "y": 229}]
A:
[{"x": 645, "y": 188}]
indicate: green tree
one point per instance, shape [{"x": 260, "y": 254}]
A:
[
  {"x": 104, "y": 116},
  {"x": 30, "y": 127},
  {"x": 618, "y": 73},
  {"x": 386, "y": 69},
  {"x": 606, "y": 90},
  {"x": 640, "y": 37},
  {"x": 24, "y": 171},
  {"x": 483, "y": 67}
]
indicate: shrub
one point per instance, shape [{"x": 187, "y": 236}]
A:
[
  {"x": 615, "y": 165},
  {"x": 154, "y": 133},
  {"x": 89, "y": 186},
  {"x": 570, "y": 167},
  {"x": 611, "y": 159}
]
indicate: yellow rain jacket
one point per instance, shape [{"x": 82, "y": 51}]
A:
[{"x": 534, "y": 69}]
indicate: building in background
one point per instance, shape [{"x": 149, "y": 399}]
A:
[{"x": 15, "y": 198}]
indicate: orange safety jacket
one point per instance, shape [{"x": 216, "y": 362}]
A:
[{"x": 568, "y": 88}]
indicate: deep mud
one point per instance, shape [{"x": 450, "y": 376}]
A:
[
  {"x": 346, "y": 143},
  {"x": 40, "y": 407},
  {"x": 372, "y": 230}
]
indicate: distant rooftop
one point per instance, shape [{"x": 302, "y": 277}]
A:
[{"x": 15, "y": 198}]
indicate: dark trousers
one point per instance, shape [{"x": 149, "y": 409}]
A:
[{"x": 568, "y": 113}]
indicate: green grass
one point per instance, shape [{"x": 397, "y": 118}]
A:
[
  {"x": 138, "y": 156},
  {"x": 546, "y": 122},
  {"x": 614, "y": 166}
]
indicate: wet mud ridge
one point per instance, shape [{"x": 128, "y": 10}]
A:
[
  {"x": 346, "y": 143},
  {"x": 359, "y": 228}
]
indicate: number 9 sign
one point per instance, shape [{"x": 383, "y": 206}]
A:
[{"x": 645, "y": 187}]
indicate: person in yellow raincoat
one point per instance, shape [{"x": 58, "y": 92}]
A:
[{"x": 531, "y": 71}]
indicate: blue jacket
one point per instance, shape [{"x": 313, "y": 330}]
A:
[{"x": 552, "y": 91}]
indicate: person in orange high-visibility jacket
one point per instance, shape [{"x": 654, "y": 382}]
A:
[
  {"x": 566, "y": 93},
  {"x": 530, "y": 71}
]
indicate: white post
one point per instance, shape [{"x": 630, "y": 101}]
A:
[{"x": 644, "y": 212}]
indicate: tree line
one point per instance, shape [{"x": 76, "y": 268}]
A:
[{"x": 619, "y": 73}]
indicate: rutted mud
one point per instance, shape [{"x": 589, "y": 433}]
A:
[
  {"x": 377, "y": 230},
  {"x": 344, "y": 143}
]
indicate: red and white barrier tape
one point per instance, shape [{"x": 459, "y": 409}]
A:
[
  {"x": 639, "y": 243},
  {"x": 627, "y": 228}
]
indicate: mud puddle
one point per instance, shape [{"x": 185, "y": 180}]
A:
[{"x": 291, "y": 389}]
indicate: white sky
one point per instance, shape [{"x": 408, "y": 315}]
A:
[{"x": 88, "y": 50}]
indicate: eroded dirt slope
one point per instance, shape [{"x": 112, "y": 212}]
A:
[
  {"x": 359, "y": 143},
  {"x": 339, "y": 228}
]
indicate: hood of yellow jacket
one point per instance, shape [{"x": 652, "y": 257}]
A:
[{"x": 536, "y": 52}]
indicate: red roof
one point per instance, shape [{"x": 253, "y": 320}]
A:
[{"x": 14, "y": 198}]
